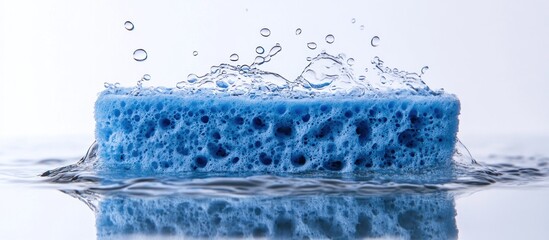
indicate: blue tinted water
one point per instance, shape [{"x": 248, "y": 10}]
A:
[{"x": 283, "y": 206}]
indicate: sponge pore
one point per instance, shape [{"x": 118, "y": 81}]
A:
[{"x": 169, "y": 133}]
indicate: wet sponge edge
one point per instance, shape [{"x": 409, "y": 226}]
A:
[{"x": 177, "y": 133}]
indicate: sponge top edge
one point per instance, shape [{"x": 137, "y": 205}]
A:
[{"x": 209, "y": 94}]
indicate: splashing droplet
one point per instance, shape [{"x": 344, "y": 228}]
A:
[
  {"x": 180, "y": 85},
  {"x": 274, "y": 50},
  {"x": 353, "y": 20},
  {"x": 234, "y": 57},
  {"x": 375, "y": 41},
  {"x": 383, "y": 80},
  {"x": 195, "y": 53},
  {"x": 298, "y": 31},
  {"x": 361, "y": 27},
  {"x": 351, "y": 61},
  {"x": 128, "y": 25},
  {"x": 330, "y": 38},
  {"x": 259, "y": 50},
  {"x": 424, "y": 70},
  {"x": 265, "y": 32},
  {"x": 140, "y": 55},
  {"x": 192, "y": 78},
  {"x": 311, "y": 45},
  {"x": 259, "y": 60},
  {"x": 146, "y": 77}
]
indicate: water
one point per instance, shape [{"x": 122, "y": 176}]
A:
[
  {"x": 482, "y": 192},
  {"x": 375, "y": 41},
  {"x": 128, "y": 25},
  {"x": 140, "y": 55}
]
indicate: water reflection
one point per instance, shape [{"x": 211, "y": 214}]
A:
[{"x": 402, "y": 215}]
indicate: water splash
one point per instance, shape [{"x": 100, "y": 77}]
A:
[{"x": 140, "y": 55}]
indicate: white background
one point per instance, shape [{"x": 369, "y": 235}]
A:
[{"x": 55, "y": 55}]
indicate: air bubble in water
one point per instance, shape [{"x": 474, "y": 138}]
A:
[
  {"x": 233, "y": 57},
  {"x": 146, "y": 77},
  {"x": 192, "y": 78},
  {"x": 424, "y": 70},
  {"x": 361, "y": 77},
  {"x": 353, "y": 20},
  {"x": 298, "y": 31},
  {"x": 330, "y": 38},
  {"x": 139, "y": 55},
  {"x": 361, "y": 27},
  {"x": 366, "y": 69},
  {"x": 375, "y": 41},
  {"x": 351, "y": 61},
  {"x": 128, "y": 25},
  {"x": 259, "y": 50},
  {"x": 195, "y": 53},
  {"x": 265, "y": 32},
  {"x": 311, "y": 45}
]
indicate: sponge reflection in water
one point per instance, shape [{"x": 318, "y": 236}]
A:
[{"x": 409, "y": 216}]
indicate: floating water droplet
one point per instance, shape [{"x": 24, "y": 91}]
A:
[
  {"x": 259, "y": 60},
  {"x": 361, "y": 27},
  {"x": 195, "y": 53},
  {"x": 259, "y": 50},
  {"x": 311, "y": 45},
  {"x": 351, "y": 61},
  {"x": 233, "y": 57},
  {"x": 383, "y": 80},
  {"x": 274, "y": 50},
  {"x": 192, "y": 78},
  {"x": 298, "y": 31},
  {"x": 353, "y": 20},
  {"x": 361, "y": 77},
  {"x": 375, "y": 41},
  {"x": 128, "y": 25},
  {"x": 265, "y": 32},
  {"x": 424, "y": 70},
  {"x": 139, "y": 55},
  {"x": 330, "y": 38},
  {"x": 146, "y": 77},
  {"x": 180, "y": 85}
]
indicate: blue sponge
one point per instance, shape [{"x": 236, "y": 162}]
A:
[
  {"x": 407, "y": 216},
  {"x": 171, "y": 132}
]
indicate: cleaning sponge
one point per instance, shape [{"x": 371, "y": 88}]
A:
[{"x": 171, "y": 132}]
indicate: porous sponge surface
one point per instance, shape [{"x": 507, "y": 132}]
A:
[
  {"x": 162, "y": 133},
  {"x": 427, "y": 216}
]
